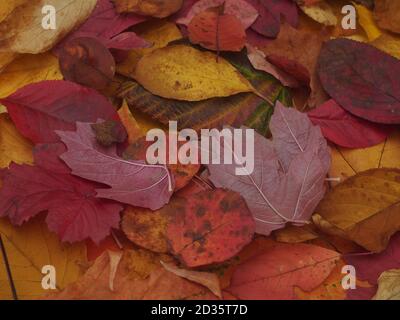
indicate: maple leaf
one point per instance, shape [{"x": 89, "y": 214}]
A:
[
  {"x": 349, "y": 74},
  {"x": 295, "y": 164},
  {"x": 74, "y": 212},
  {"x": 132, "y": 182},
  {"x": 36, "y": 113},
  {"x": 346, "y": 130}
]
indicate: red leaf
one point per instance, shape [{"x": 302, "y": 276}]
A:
[
  {"x": 344, "y": 129},
  {"x": 209, "y": 227},
  {"x": 216, "y": 31},
  {"x": 106, "y": 25},
  {"x": 132, "y": 182},
  {"x": 74, "y": 212},
  {"x": 362, "y": 79},
  {"x": 270, "y": 12},
  {"x": 39, "y": 109},
  {"x": 275, "y": 273}
]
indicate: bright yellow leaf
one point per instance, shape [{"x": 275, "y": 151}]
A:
[{"x": 367, "y": 22}]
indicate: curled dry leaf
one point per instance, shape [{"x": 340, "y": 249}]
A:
[
  {"x": 363, "y": 209},
  {"x": 131, "y": 182},
  {"x": 86, "y": 61},
  {"x": 153, "y": 8},
  {"x": 388, "y": 285},
  {"x": 207, "y": 279},
  {"x": 216, "y": 31},
  {"x": 275, "y": 273},
  {"x": 184, "y": 73},
  {"x": 209, "y": 227},
  {"x": 362, "y": 79},
  {"x": 22, "y": 30}
]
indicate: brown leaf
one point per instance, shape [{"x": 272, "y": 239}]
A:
[
  {"x": 153, "y": 8},
  {"x": 387, "y": 15}
]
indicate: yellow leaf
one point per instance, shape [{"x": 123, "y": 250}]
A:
[
  {"x": 22, "y": 30},
  {"x": 6, "y": 58},
  {"x": 348, "y": 162},
  {"x": 388, "y": 285},
  {"x": 27, "y": 69},
  {"x": 13, "y": 146},
  {"x": 363, "y": 209},
  {"x": 184, "y": 73},
  {"x": 6, "y": 7},
  {"x": 321, "y": 12},
  {"x": 389, "y": 44},
  {"x": 31, "y": 247},
  {"x": 159, "y": 34},
  {"x": 367, "y": 22}
]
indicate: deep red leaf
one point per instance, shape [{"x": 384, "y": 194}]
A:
[
  {"x": 346, "y": 130},
  {"x": 39, "y": 109}
]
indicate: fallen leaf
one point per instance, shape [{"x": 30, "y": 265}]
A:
[
  {"x": 295, "y": 162},
  {"x": 37, "y": 114},
  {"x": 367, "y": 22},
  {"x": 275, "y": 273},
  {"x": 107, "y": 26},
  {"x": 184, "y": 73},
  {"x": 386, "y": 14},
  {"x": 13, "y": 147},
  {"x": 321, "y": 12},
  {"x": 270, "y": 12},
  {"x": 87, "y": 62},
  {"x": 153, "y": 8},
  {"x": 131, "y": 182},
  {"x": 216, "y": 31},
  {"x": 210, "y": 227},
  {"x": 363, "y": 209},
  {"x": 389, "y": 44},
  {"x": 115, "y": 259},
  {"x": 74, "y": 213},
  {"x": 346, "y": 130},
  {"x": 242, "y": 10},
  {"x": 24, "y": 24},
  {"x": 31, "y": 247},
  {"x": 146, "y": 228},
  {"x": 388, "y": 285},
  {"x": 207, "y": 279},
  {"x": 294, "y": 234},
  {"x": 17, "y": 75},
  {"x": 109, "y": 132},
  {"x": 129, "y": 122},
  {"x": 349, "y": 74}
]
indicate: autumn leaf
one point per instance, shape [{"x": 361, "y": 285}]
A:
[
  {"x": 364, "y": 88},
  {"x": 16, "y": 75},
  {"x": 24, "y": 24},
  {"x": 386, "y": 14},
  {"x": 37, "y": 114},
  {"x": 389, "y": 285},
  {"x": 362, "y": 209},
  {"x": 28, "y": 249},
  {"x": 295, "y": 162},
  {"x": 87, "y": 62},
  {"x": 109, "y": 132},
  {"x": 153, "y": 8},
  {"x": 346, "y": 130},
  {"x": 241, "y": 9},
  {"x": 210, "y": 227},
  {"x": 74, "y": 212},
  {"x": 189, "y": 74},
  {"x": 275, "y": 273},
  {"x": 107, "y": 26},
  {"x": 131, "y": 182},
  {"x": 320, "y": 12}
]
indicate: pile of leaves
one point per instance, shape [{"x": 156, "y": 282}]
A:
[{"x": 76, "y": 191}]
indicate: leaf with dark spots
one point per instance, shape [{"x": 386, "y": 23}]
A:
[
  {"x": 362, "y": 79},
  {"x": 346, "y": 130},
  {"x": 73, "y": 211},
  {"x": 209, "y": 227},
  {"x": 88, "y": 62},
  {"x": 109, "y": 132},
  {"x": 37, "y": 114}
]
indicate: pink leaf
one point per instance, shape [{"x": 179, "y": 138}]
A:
[{"x": 132, "y": 182}]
